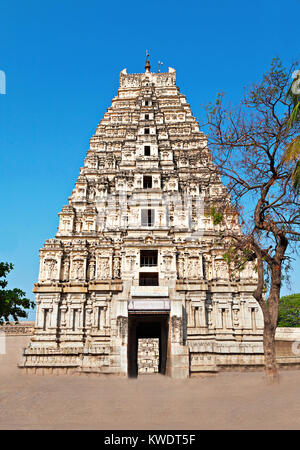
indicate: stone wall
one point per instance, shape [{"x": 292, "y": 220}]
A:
[
  {"x": 288, "y": 346},
  {"x": 18, "y": 335},
  {"x": 18, "y": 328}
]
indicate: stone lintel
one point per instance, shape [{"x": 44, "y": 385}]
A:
[
  {"x": 149, "y": 305},
  {"x": 106, "y": 286},
  {"x": 191, "y": 286},
  {"x": 75, "y": 289},
  {"x": 149, "y": 291},
  {"x": 47, "y": 288}
]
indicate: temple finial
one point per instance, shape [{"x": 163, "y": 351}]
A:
[{"x": 147, "y": 66}]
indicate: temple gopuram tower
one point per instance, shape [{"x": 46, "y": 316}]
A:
[{"x": 137, "y": 261}]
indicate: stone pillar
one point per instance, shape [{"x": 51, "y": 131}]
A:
[
  {"x": 119, "y": 339},
  {"x": 178, "y": 358},
  {"x": 39, "y": 315},
  {"x": 54, "y": 315}
]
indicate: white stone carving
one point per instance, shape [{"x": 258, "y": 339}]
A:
[{"x": 91, "y": 275}]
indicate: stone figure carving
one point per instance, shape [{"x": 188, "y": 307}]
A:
[
  {"x": 193, "y": 268},
  {"x": 66, "y": 269},
  {"x": 89, "y": 311},
  {"x": 167, "y": 262},
  {"x": 209, "y": 315},
  {"x": 180, "y": 265},
  {"x": 176, "y": 324},
  {"x": 130, "y": 262},
  {"x": 117, "y": 271},
  {"x": 92, "y": 194},
  {"x": 235, "y": 314},
  {"x": 63, "y": 312},
  {"x": 50, "y": 268},
  {"x": 78, "y": 269},
  {"x": 104, "y": 268},
  {"x": 220, "y": 269},
  {"x": 92, "y": 267},
  {"x": 122, "y": 327}
]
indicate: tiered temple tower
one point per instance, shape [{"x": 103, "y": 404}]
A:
[{"x": 137, "y": 256}]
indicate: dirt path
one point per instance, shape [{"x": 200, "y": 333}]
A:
[{"x": 226, "y": 401}]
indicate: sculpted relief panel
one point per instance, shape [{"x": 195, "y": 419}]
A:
[
  {"x": 78, "y": 269},
  {"x": 103, "y": 268}
]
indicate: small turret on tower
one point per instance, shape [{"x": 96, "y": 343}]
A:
[{"x": 147, "y": 66}]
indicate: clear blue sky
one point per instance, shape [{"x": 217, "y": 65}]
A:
[{"x": 62, "y": 61}]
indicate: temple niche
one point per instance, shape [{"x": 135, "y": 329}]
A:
[{"x": 135, "y": 280}]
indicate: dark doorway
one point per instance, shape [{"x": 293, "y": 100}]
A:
[
  {"x": 148, "y": 279},
  {"x": 147, "y": 150},
  {"x": 147, "y": 182},
  {"x": 147, "y": 325},
  {"x": 148, "y": 258}
]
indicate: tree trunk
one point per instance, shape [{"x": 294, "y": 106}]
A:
[
  {"x": 271, "y": 370},
  {"x": 271, "y": 316}
]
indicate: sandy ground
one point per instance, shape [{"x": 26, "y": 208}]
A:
[{"x": 154, "y": 402}]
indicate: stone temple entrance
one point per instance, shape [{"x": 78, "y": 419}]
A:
[
  {"x": 117, "y": 252},
  {"x": 147, "y": 333}
]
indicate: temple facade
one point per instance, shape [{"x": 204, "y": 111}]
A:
[{"x": 137, "y": 260}]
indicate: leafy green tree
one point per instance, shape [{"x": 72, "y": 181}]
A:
[
  {"x": 289, "y": 311},
  {"x": 13, "y": 302}
]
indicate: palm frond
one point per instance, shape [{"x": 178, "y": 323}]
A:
[
  {"x": 296, "y": 176},
  {"x": 292, "y": 152},
  {"x": 295, "y": 116}
]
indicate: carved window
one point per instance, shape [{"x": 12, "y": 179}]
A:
[
  {"x": 148, "y": 216},
  {"x": 253, "y": 319},
  {"x": 223, "y": 318},
  {"x": 46, "y": 319},
  {"x": 196, "y": 316},
  {"x": 148, "y": 258},
  {"x": 147, "y": 150},
  {"x": 99, "y": 317},
  {"x": 75, "y": 319},
  {"x": 147, "y": 131},
  {"x": 147, "y": 182},
  {"x": 146, "y": 116},
  {"x": 148, "y": 279}
]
